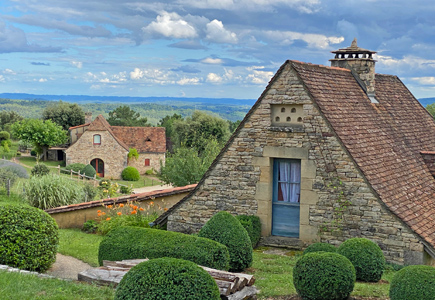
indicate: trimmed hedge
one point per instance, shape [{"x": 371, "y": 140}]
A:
[
  {"x": 89, "y": 171},
  {"x": 324, "y": 276},
  {"x": 130, "y": 174},
  {"x": 167, "y": 278},
  {"x": 316, "y": 247},
  {"x": 130, "y": 242},
  {"x": 75, "y": 167},
  {"x": 413, "y": 283},
  {"x": 28, "y": 239},
  {"x": 224, "y": 228},
  {"x": 252, "y": 225},
  {"x": 366, "y": 256},
  {"x": 40, "y": 170}
]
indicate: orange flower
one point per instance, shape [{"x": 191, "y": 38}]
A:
[
  {"x": 141, "y": 209},
  {"x": 98, "y": 211},
  {"x": 99, "y": 214},
  {"x": 121, "y": 205},
  {"x": 134, "y": 212},
  {"x": 107, "y": 219},
  {"x": 109, "y": 206},
  {"x": 135, "y": 207},
  {"x": 152, "y": 203},
  {"x": 131, "y": 205},
  {"x": 103, "y": 213},
  {"x": 119, "y": 213},
  {"x": 165, "y": 209}
]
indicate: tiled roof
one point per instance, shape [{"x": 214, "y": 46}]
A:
[
  {"x": 385, "y": 139},
  {"x": 144, "y": 139},
  {"x": 100, "y": 124}
]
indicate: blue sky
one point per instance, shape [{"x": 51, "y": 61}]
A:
[{"x": 202, "y": 48}]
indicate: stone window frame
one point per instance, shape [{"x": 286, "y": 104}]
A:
[
  {"x": 147, "y": 162},
  {"x": 93, "y": 139}
]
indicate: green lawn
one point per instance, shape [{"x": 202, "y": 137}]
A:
[
  {"x": 145, "y": 180},
  {"x": 30, "y": 162}
]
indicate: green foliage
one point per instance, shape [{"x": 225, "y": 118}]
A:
[
  {"x": 33, "y": 153},
  {"x": 29, "y": 238},
  {"x": 7, "y": 118},
  {"x": 76, "y": 167},
  {"x": 233, "y": 125},
  {"x": 431, "y": 109},
  {"x": 125, "y": 189},
  {"x": 252, "y": 225},
  {"x": 125, "y": 116},
  {"x": 135, "y": 242},
  {"x": 90, "y": 192},
  {"x": 224, "y": 228},
  {"x": 316, "y": 247},
  {"x": 413, "y": 283},
  {"x": 90, "y": 226},
  {"x": 89, "y": 171},
  {"x": 324, "y": 276},
  {"x": 4, "y": 135},
  {"x": 17, "y": 169},
  {"x": 130, "y": 174},
  {"x": 42, "y": 134},
  {"x": 40, "y": 170},
  {"x": 167, "y": 278},
  {"x": 366, "y": 257},
  {"x": 168, "y": 123},
  {"x": 52, "y": 191},
  {"x": 133, "y": 154},
  {"x": 64, "y": 114},
  {"x": 149, "y": 172},
  {"x": 7, "y": 179}
]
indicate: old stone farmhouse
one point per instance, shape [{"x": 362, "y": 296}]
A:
[
  {"x": 106, "y": 147},
  {"x": 328, "y": 153}
]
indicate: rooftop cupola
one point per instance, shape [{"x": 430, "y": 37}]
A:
[{"x": 360, "y": 61}]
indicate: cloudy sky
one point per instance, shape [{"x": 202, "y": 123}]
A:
[{"x": 202, "y": 48}]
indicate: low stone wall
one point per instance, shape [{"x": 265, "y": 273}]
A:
[{"x": 73, "y": 216}]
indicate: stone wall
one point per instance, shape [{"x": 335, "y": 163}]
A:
[
  {"x": 154, "y": 158},
  {"x": 109, "y": 151},
  {"x": 241, "y": 181}
]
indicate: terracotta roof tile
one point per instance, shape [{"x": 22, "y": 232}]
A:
[{"x": 144, "y": 139}]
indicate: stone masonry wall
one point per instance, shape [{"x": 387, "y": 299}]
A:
[
  {"x": 241, "y": 181},
  {"x": 113, "y": 155},
  {"x": 154, "y": 158}
]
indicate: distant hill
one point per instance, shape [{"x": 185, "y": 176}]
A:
[{"x": 426, "y": 101}]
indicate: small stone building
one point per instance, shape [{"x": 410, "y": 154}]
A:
[
  {"x": 327, "y": 154},
  {"x": 106, "y": 147}
]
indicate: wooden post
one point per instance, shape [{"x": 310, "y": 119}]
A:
[
  {"x": 9, "y": 187},
  {"x": 78, "y": 176},
  {"x": 58, "y": 168}
]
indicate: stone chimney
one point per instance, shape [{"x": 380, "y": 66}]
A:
[
  {"x": 88, "y": 117},
  {"x": 360, "y": 61}
]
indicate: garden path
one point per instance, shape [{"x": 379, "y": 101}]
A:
[{"x": 67, "y": 267}]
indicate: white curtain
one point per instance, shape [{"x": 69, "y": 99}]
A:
[
  {"x": 289, "y": 181},
  {"x": 284, "y": 173},
  {"x": 295, "y": 176}
]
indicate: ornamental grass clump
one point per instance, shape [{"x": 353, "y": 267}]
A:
[
  {"x": 224, "y": 228},
  {"x": 40, "y": 170},
  {"x": 28, "y": 239},
  {"x": 167, "y": 278},
  {"x": 324, "y": 276},
  {"x": 316, "y": 247},
  {"x": 366, "y": 256},
  {"x": 413, "y": 283},
  {"x": 135, "y": 242}
]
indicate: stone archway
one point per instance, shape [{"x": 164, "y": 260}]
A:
[{"x": 98, "y": 165}]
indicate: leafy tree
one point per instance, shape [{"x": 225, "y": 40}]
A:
[
  {"x": 168, "y": 123},
  {"x": 125, "y": 116},
  {"x": 64, "y": 114},
  {"x": 233, "y": 125},
  {"x": 7, "y": 118},
  {"x": 197, "y": 131},
  {"x": 43, "y": 134},
  {"x": 431, "y": 109}
]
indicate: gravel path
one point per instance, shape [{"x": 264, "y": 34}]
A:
[{"x": 67, "y": 267}]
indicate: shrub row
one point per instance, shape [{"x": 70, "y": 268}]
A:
[
  {"x": 135, "y": 242},
  {"x": 252, "y": 225}
]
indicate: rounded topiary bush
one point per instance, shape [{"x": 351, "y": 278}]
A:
[
  {"x": 224, "y": 228},
  {"x": 413, "y": 283},
  {"x": 366, "y": 257},
  {"x": 28, "y": 239},
  {"x": 324, "y": 276},
  {"x": 130, "y": 242},
  {"x": 76, "y": 167},
  {"x": 167, "y": 278},
  {"x": 130, "y": 174},
  {"x": 89, "y": 171},
  {"x": 316, "y": 247},
  {"x": 252, "y": 225},
  {"x": 40, "y": 170}
]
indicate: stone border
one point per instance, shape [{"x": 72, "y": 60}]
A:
[{"x": 40, "y": 275}]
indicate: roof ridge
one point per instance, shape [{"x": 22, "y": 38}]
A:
[{"x": 318, "y": 65}]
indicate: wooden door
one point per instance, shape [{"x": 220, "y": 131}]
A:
[{"x": 98, "y": 165}]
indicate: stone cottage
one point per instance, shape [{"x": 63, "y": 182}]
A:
[
  {"x": 326, "y": 154},
  {"x": 106, "y": 147}
]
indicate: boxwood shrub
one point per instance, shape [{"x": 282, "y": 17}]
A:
[
  {"x": 227, "y": 230},
  {"x": 75, "y": 167},
  {"x": 413, "y": 283},
  {"x": 316, "y": 247},
  {"x": 89, "y": 171},
  {"x": 324, "y": 276},
  {"x": 167, "y": 278},
  {"x": 40, "y": 170},
  {"x": 366, "y": 257},
  {"x": 130, "y": 174},
  {"x": 252, "y": 225},
  {"x": 28, "y": 239},
  {"x": 130, "y": 242}
]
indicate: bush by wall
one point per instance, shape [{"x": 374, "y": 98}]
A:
[
  {"x": 252, "y": 225},
  {"x": 324, "y": 276},
  {"x": 413, "y": 283},
  {"x": 28, "y": 239},
  {"x": 130, "y": 174},
  {"x": 75, "y": 167},
  {"x": 167, "y": 278},
  {"x": 224, "y": 228},
  {"x": 89, "y": 171},
  {"x": 18, "y": 170},
  {"x": 366, "y": 257},
  {"x": 316, "y": 247},
  {"x": 135, "y": 242},
  {"x": 33, "y": 153},
  {"x": 90, "y": 192},
  {"x": 40, "y": 170}
]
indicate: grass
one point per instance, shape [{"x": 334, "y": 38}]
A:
[
  {"x": 30, "y": 162},
  {"x": 145, "y": 180},
  {"x": 74, "y": 242},
  {"x": 29, "y": 287}
]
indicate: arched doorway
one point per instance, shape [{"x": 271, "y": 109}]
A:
[{"x": 98, "y": 165}]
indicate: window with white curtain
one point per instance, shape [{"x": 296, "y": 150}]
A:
[{"x": 288, "y": 176}]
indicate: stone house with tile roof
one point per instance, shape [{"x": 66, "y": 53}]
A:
[
  {"x": 327, "y": 154},
  {"x": 106, "y": 147}
]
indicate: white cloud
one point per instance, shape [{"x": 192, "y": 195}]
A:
[
  {"x": 406, "y": 61},
  {"x": 218, "y": 34},
  {"x": 77, "y": 64},
  {"x": 214, "y": 78},
  {"x": 2, "y": 78},
  {"x": 424, "y": 80},
  {"x": 188, "y": 81},
  {"x": 171, "y": 25},
  {"x": 9, "y": 71},
  {"x": 212, "y": 61},
  {"x": 313, "y": 40},
  {"x": 153, "y": 75},
  {"x": 42, "y": 80},
  {"x": 259, "y": 77}
]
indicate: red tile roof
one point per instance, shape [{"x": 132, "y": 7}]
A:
[
  {"x": 385, "y": 139},
  {"x": 144, "y": 139},
  {"x": 100, "y": 124}
]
